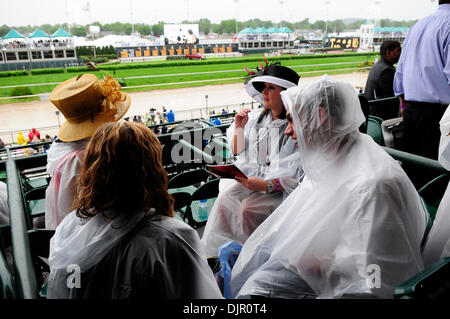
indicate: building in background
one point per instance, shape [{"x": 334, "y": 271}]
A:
[
  {"x": 38, "y": 50},
  {"x": 372, "y": 36},
  {"x": 265, "y": 40}
]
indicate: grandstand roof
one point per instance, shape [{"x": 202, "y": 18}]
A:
[
  {"x": 13, "y": 34},
  {"x": 262, "y": 30},
  {"x": 247, "y": 31},
  {"x": 61, "y": 33},
  {"x": 391, "y": 29},
  {"x": 38, "y": 33},
  {"x": 285, "y": 30}
]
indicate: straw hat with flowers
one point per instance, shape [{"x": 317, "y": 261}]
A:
[{"x": 87, "y": 102}]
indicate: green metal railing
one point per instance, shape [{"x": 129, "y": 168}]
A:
[{"x": 26, "y": 282}]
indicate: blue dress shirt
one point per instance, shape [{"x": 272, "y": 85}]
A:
[{"x": 423, "y": 71}]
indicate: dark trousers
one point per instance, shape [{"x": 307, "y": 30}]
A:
[{"x": 421, "y": 132}]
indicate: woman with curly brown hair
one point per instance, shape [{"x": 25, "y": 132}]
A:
[{"x": 122, "y": 241}]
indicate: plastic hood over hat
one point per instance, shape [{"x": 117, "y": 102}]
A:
[
  {"x": 327, "y": 131},
  {"x": 438, "y": 242},
  {"x": 355, "y": 225}
]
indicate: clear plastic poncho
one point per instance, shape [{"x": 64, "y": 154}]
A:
[
  {"x": 268, "y": 154},
  {"x": 438, "y": 242},
  {"x": 64, "y": 160},
  {"x": 171, "y": 248},
  {"x": 353, "y": 228}
]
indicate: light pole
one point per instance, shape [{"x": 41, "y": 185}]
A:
[
  {"x": 67, "y": 17},
  {"x": 187, "y": 8},
  {"x": 281, "y": 13},
  {"x": 378, "y": 3},
  {"x": 327, "y": 3},
  {"x": 237, "y": 5},
  {"x": 131, "y": 16}
]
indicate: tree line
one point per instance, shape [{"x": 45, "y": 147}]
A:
[{"x": 206, "y": 27}]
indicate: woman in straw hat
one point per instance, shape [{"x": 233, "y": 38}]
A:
[
  {"x": 122, "y": 235},
  {"x": 267, "y": 156},
  {"x": 86, "y": 103}
]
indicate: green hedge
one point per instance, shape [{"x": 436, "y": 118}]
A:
[
  {"x": 47, "y": 71},
  {"x": 175, "y": 57},
  {"x": 5, "y": 74},
  {"x": 100, "y": 58},
  {"x": 21, "y": 90}
]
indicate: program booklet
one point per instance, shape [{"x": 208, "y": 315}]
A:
[{"x": 225, "y": 171}]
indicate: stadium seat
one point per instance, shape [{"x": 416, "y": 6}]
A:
[
  {"x": 433, "y": 191},
  {"x": 374, "y": 129},
  {"x": 419, "y": 169},
  {"x": 208, "y": 191},
  {"x": 189, "y": 178},
  {"x": 182, "y": 202},
  {"x": 431, "y": 283},
  {"x": 35, "y": 201},
  {"x": 33, "y": 190}
]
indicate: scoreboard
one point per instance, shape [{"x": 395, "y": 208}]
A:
[{"x": 344, "y": 43}]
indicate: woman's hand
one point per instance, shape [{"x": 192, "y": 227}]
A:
[
  {"x": 253, "y": 183},
  {"x": 241, "y": 118}
]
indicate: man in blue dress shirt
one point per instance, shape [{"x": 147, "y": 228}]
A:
[{"x": 422, "y": 81}]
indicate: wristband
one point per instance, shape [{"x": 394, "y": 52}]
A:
[{"x": 277, "y": 185}]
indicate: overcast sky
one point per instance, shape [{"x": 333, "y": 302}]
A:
[{"x": 38, "y": 12}]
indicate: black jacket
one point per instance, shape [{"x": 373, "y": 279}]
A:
[{"x": 380, "y": 85}]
